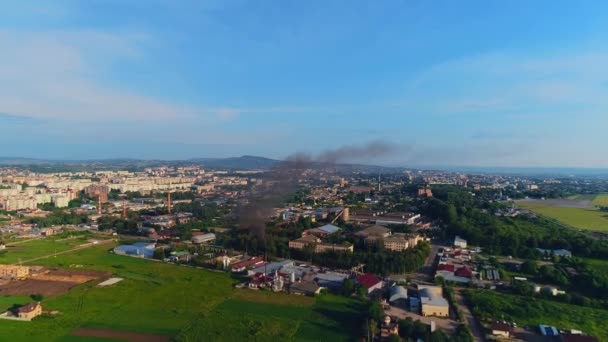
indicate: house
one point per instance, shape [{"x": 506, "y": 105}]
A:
[
  {"x": 370, "y": 281},
  {"x": 501, "y": 329},
  {"x": 47, "y": 231},
  {"x": 460, "y": 242},
  {"x": 29, "y": 311},
  {"x": 433, "y": 303},
  {"x": 306, "y": 288}
]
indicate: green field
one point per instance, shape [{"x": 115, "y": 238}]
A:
[
  {"x": 180, "y": 302},
  {"x": 589, "y": 219},
  {"x": 598, "y": 264},
  {"x": 532, "y": 311},
  {"x": 600, "y": 200}
]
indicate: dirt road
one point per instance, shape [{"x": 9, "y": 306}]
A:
[{"x": 470, "y": 320}]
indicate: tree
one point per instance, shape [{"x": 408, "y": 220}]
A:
[
  {"x": 362, "y": 292},
  {"x": 37, "y": 297},
  {"x": 159, "y": 253},
  {"x": 529, "y": 267},
  {"x": 373, "y": 328},
  {"x": 348, "y": 287}
]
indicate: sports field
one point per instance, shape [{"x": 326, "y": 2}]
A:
[
  {"x": 581, "y": 218},
  {"x": 174, "y": 302}
]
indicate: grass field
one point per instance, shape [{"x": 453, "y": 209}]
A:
[
  {"x": 533, "y": 311},
  {"x": 581, "y": 197},
  {"x": 590, "y": 219},
  {"x": 176, "y": 301},
  {"x": 600, "y": 200},
  {"x": 598, "y": 264}
]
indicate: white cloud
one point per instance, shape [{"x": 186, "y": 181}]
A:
[
  {"x": 513, "y": 82},
  {"x": 52, "y": 76}
]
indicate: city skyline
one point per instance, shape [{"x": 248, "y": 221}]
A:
[{"x": 515, "y": 84}]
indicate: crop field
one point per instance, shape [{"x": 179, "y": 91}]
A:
[
  {"x": 600, "y": 200},
  {"x": 533, "y": 311},
  {"x": 581, "y": 218},
  {"x": 168, "y": 301}
]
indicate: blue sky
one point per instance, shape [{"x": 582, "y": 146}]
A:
[{"x": 477, "y": 83}]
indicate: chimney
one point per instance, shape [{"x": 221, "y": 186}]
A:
[
  {"x": 124, "y": 210},
  {"x": 99, "y": 205},
  {"x": 169, "y": 202}
]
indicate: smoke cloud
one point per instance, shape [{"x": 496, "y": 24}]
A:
[{"x": 284, "y": 180}]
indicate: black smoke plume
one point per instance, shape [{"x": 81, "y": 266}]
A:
[{"x": 285, "y": 177}]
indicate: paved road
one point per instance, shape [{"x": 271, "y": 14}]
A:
[{"x": 470, "y": 320}]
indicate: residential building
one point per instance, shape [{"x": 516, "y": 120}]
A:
[
  {"x": 29, "y": 311},
  {"x": 14, "y": 272}
]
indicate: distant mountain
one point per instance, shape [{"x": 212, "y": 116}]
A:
[
  {"x": 235, "y": 163},
  {"x": 240, "y": 163}
]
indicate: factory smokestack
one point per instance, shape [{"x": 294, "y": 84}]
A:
[
  {"x": 99, "y": 205},
  {"x": 169, "y": 202}
]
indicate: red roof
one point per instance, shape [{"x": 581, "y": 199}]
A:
[
  {"x": 368, "y": 280},
  {"x": 446, "y": 267},
  {"x": 464, "y": 272}
]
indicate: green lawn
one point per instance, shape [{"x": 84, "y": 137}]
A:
[
  {"x": 601, "y": 200},
  {"x": 533, "y": 311},
  {"x": 176, "y": 301},
  {"x": 589, "y": 219}
]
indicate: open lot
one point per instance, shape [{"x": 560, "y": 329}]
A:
[
  {"x": 581, "y": 218},
  {"x": 51, "y": 283},
  {"x": 174, "y": 302}
]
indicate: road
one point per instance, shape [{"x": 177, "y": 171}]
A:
[
  {"x": 87, "y": 245},
  {"x": 470, "y": 320}
]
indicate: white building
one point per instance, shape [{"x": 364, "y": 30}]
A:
[{"x": 460, "y": 242}]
